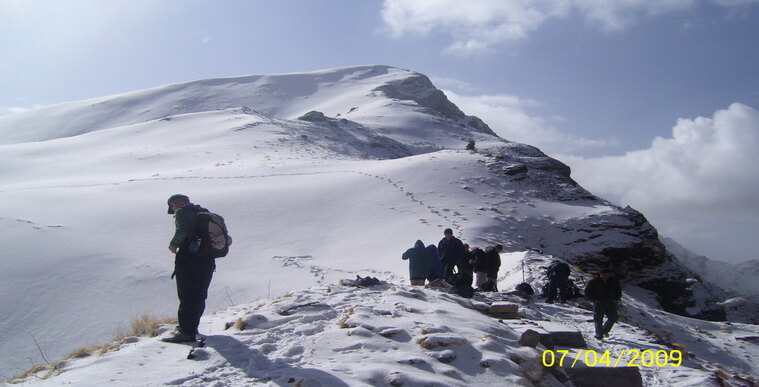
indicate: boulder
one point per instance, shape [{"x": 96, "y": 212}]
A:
[
  {"x": 605, "y": 376},
  {"x": 504, "y": 310},
  {"x": 530, "y": 338}
]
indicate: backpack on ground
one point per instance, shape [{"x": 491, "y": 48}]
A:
[
  {"x": 465, "y": 291},
  {"x": 212, "y": 240},
  {"x": 460, "y": 280},
  {"x": 525, "y": 288}
]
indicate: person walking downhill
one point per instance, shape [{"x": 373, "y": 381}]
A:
[
  {"x": 450, "y": 249},
  {"x": 193, "y": 272},
  {"x": 605, "y": 292},
  {"x": 419, "y": 263}
]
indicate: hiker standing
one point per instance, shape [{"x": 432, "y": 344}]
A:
[
  {"x": 450, "y": 249},
  {"x": 419, "y": 262},
  {"x": 558, "y": 279},
  {"x": 193, "y": 272},
  {"x": 493, "y": 259},
  {"x": 466, "y": 265},
  {"x": 605, "y": 292},
  {"x": 435, "y": 269},
  {"x": 480, "y": 263}
]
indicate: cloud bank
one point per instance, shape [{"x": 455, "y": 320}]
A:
[
  {"x": 478, "y": 25},
  {"x": 699, "y": 186}
]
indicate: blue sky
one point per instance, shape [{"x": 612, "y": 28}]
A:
[{"x": 652, "y": 104}]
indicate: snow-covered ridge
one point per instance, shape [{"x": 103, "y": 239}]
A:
[
  {"x": 324, "y": 165},
  {"x": 362, "y": 94},
  {"x": 740, "y": 278}
]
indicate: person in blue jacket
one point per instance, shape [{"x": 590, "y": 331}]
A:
[
  {"x": 419, "y": 263},
  {"x": 435, "y": 269},
  {"x": 558, "y": 277}
]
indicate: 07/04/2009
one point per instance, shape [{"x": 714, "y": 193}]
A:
[{"x": 633, "y": 358}]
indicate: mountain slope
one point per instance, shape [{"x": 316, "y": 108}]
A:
[{"x": 310, "y": 170}]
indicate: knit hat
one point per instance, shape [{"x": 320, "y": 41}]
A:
[{"x": 176, "y": 197}]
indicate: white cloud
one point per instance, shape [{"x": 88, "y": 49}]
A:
[
  {"x": 513, "y": 119},
  {"x": 5, "y": 110},
  {"x": 475, "y": 25},
  {"x": 478, "y": 25},
  {"x": 705, "y": 175}
]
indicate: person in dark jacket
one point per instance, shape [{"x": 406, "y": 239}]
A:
[
  {"x": 466, "y": 266},
  {"x": 480, "y": 264},
  {"x": 419, "y": 262},
  {"x": 558, "y": 279},
  {"x": 493, "y": 264},
  {"x": 193, "y": 272},
  {"x": 435, "y": 269},
  {"x": 450, "y": 249},
  {"x": 605, "y": 292}
]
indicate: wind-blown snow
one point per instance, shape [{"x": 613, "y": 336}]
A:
[{"x": 320, "y": 177}]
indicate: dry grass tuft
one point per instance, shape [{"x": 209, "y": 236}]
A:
[
  {"x": 82, "y": 352},
  {"x": 344, "y": 321},
  {"x": 148, "y": 325},
  {"x": 142, "y": 325},
  {"x": 425, "y": 343},
  {"x": 31, "y": 371}
]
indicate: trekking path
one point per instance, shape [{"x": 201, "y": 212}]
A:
[{"x": 723, "y": 350}]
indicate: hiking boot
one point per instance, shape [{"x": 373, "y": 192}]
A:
[
  {"x": 599, "y": 337},
  {"x": 179, "y": 337}
]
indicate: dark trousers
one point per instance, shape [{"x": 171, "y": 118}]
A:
[
  {"x": 562, "y": 285},
  {"x": 193, "y": 279},
  {"x": 448, "y": 267},
  {"x": 601, "y": 309}
]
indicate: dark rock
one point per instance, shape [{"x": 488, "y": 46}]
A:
[
  {"x": 313, "y": 116},
  {"x": 529, "y": 338},
  {"x": 605, "y": 376},
  {"x": 568, "y": 339}
]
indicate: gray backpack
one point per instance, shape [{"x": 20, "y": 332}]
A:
[{"x": 212, "y": 240}]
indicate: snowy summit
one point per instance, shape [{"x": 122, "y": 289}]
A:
[{"x": 321, "y": 177}]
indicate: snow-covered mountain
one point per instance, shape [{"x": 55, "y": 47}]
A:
[
  {"x": 321, "y": 176},
  {"x": 739, "y": 278}
]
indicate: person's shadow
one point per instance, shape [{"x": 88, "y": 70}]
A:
[{"x": 257, "y": 366}]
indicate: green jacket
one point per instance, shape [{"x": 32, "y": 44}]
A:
[{"x": 185, "y": 219}]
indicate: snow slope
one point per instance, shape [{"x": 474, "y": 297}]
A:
[
  {"x": 320, "y": 176},
  {"x": 391, "y": 334}
]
